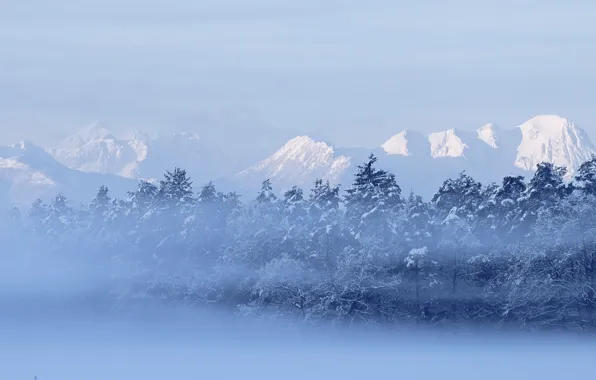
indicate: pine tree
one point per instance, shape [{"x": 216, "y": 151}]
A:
[
  {"x": 295, "y": 222},
  {"x": 372, "y": 202},
  {"x": 586, "y": 176},
  {"x": 325, "y": 220},
  {"x": 487, "y": 218},
  {"x": 176, "y": 188},
  {"x": 323, "y": 197},
  {"x": 547, "y": 185},
  {"x": 294, "y": 205},
  {"x": 545, "y": 189},
  {"x": 59, "y": 219},
  {"x": 208, "y": 193},
  {"x": 142, "y": 199},
  {"x": 462, "y": 195},
  {"x": 266, "y": 195},
  {"x": 38, "y": 210},
  {"x": 100, "y": 204},
  {"x": 508, "y": 207},
  {"x": 205, "y": 231},
  {"x": 419, "y": 229}
]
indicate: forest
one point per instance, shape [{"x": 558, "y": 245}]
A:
[{"x": 519, "y": 254}]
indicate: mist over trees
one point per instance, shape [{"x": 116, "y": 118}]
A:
[{"x": 520, "y": 253}]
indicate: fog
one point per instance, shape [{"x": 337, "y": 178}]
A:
[
  {"x": 41, "y": 339},
  {"x": 68, "y": 326}
]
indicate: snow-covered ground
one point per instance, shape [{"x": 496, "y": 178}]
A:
[{"x": 58, "y": 340}]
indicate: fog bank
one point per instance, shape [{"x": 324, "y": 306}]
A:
[{"x": 42, "y": 337}]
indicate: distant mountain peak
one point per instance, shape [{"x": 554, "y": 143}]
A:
[
  {"x": 25, "y": 145},
  {"x": 25, "y": 148},
  {"x": 487, "y": 153},
  {"x": 446, "y": 144},
  {"x": 92, "y": 132},
  {"x": 406, "y": 143},
  {"x": 299, "y": 146},
  {"x": 489, "y": 134},
  {"x": 549, "y": 122},
  {"x": 30, "y": 172},
  {"x": 96, "y": 129},
  {"x": 300, "y": 161},
  {"x": 551, "y": 138}
]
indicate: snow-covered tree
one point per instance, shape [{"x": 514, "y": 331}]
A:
[
  {"x": 176, "y": 188},
  {"x": 461, "y": 196},
  {"x": 586, "y": 177},
  {"x": 374, "y": 208},
  {"x": 518, "y": 253},
  {"x": 508, "y": 203},
  {"x": 543, "y": 192}
]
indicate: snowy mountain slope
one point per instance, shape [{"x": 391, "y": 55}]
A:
[
  {"x": 421, "y": 162},
  {"x": 205, "y": 157},
  {"x": 407, "y": 143},
  {"x": 489, "y": 134},
  {"x": 451, "y": 143},
  {"x": 95, "y": 149},
  {"x": 547, "y": 138},
  {"x": 28, "y": 172},
  {"x": 299, "y": 162},
  {"x": 446, "y": 144},
  {"x": 553, "y": 139}
]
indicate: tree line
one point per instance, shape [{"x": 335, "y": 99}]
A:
[{"x": 520, "y": 253}]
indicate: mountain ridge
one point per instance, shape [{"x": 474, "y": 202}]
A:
[
  {"x": 423, "y": 162},
  {"x": 420, "y": 161},
  {"x": 28, "y": 172}
]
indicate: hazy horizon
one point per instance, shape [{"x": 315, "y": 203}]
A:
[{"x": 355, "y": 73}]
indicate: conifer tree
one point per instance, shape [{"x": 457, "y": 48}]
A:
[
  {"x": 372, "y": 202},
  {"x": 586, "y": 176},
  {"x": 176, "y": 188}
]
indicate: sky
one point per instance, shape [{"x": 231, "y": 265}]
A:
[{"x": 355, "y": 72}]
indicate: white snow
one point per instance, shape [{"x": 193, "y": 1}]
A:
[
  {"x": 446, "y": 144},
  {"x": 136, "y": 155},
  {"x": 95, "y": 149},
  {"x": 488, "y": 134},
  {"x": 29, "y": 172},
  {"x": 407, "y": 143},
  {"x": 94, "y": 131},
  {"x": 397, "y": 144},
  {"x": 487, "y": 153},
  {"x": 550, "y": 138},
  {"x": 300, "y": 161}
]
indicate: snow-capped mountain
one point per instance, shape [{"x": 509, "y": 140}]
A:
[
  {"x": 407, "y": 143},
  {"x": 546, "y": 138},
  {"x": 451, "y": 143},
  {"x": 96, "y": 149},
  {"x": 422, "y": 162},
  {"x": 299, "y": 162},
  {"x": 28, "y": 172},
  {"x": 96, "y": 156},
  {"x": 552, "y": 139}
]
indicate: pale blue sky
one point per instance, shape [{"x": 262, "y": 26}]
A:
[{"x": 356, "y": 71}]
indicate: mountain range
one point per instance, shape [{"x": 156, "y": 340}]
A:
[{"x": 95, "y": 156}]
